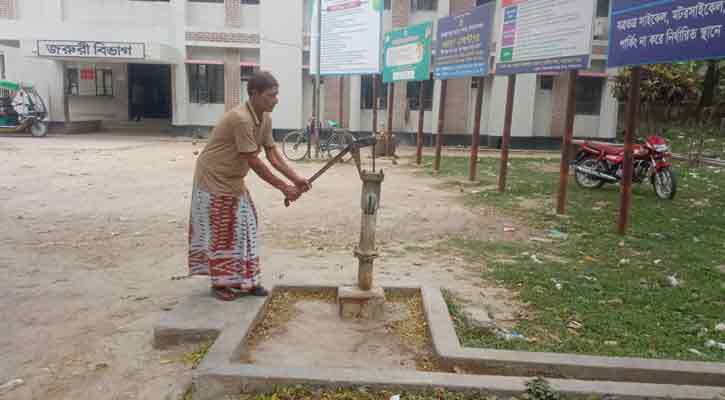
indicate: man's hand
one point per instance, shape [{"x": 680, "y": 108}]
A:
[
  {"x": 302, "y": 184},
  {"x": 291, "y": 193}
]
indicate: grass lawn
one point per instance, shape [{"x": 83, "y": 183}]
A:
[{"x": 590, "y": 290}]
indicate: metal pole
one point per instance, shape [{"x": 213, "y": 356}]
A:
[
  {"x": 389, "y": 127},
  {"x": 421, "y": 114},
  {"x": 506, "y": 139},
  {"x": 625, "y": 199},
  {"x": 476, "y": 138},
  {"x": 441, "y": 120},
  {"x": 317, "y": 117},
  {"x": 566, "y": 142}
]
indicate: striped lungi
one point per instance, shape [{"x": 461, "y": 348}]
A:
[{"x": 223, "y": 240}]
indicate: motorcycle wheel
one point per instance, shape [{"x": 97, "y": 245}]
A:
[
  {"x": 588, "y": 181},
  {"x": 39, "y": 129},
  {"x": 665, "y": 184}
]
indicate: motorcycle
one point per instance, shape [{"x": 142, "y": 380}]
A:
[
  {"x": 597, "y": 163},
  {"x": 22, "y": 109}
]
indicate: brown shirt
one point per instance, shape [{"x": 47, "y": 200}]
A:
[{"x": 220, "y": 169}]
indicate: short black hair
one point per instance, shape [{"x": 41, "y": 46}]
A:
[{"x": 261, "y": 81}]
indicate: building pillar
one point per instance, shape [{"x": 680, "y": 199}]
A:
[
  {"x": 458, "y": 93},
  {"x": 609, "y": 112},
  {"x": 401, "y": 17},
  {"x": 233, "y": 13},
  {"x": 232, "y": 79},
  {"x": 7, "y": 9},
  {"x": 558, "y": 105},
  {"x": 354, "y": 84}
]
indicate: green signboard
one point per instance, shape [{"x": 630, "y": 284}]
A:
[{"x": 406, "y": 53}]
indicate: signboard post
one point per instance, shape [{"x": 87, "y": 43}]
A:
[
  {"x": 543, "y": 36},
  {"x": 406, "y": 57},
  {"x": 652, "y": 32},
  {"x": 462, "y": 50}
]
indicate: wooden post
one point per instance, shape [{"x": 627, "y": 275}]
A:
[
  {"x": 375, "y": 105},
  {"x": 441, "y": 121},
  {"x": 506, "y": 139},
  {"x": 421, "y": 114},
  {"x": 566, "y": 142},
  {"x": 313, "y": 124},
  {"x": 66, "y": 99},
  {"x": 340, "y": 123},
  {"x": 476, "y": 137},
  {"x": 389, "y": 125},
  {"x": 625, "y": 198},
  {"x": 375, "y": 115}
]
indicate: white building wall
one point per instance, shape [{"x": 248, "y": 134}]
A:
[
  {"x": 281, "y": 54},
  {"x": 205, "y": 15},
  {"x": 280, "y": 24}
]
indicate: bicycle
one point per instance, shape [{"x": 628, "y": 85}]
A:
[{"x": 296, "y": 145}]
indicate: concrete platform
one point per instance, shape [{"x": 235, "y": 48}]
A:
[
  {"x": 503, "y": 373},
  {"x": 355, "y": 303}
]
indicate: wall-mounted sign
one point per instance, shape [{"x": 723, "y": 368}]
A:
[{"x": 86, "y": 49}]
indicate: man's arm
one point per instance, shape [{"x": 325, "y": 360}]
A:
[
  {"x": 275, "y": 158},
  {"x": 257, "y": 165}
]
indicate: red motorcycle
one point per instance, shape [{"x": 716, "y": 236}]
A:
[{"x": 598, "y": 163}]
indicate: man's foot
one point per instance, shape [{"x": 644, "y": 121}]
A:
[
  {"x": 259, "y": 291},
  {"x": 224, "y": 294}
]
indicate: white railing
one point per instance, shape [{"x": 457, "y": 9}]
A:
[{"x": 6, "y": 92}]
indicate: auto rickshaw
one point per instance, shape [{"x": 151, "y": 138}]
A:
[{"x": 22, "y": 109}]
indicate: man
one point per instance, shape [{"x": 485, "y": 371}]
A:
[
  {"x": 137, "y": 101},
  {"x": 223, "y": 223}
]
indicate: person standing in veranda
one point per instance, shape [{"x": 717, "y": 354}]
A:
[{"x": 223, "y": 221}]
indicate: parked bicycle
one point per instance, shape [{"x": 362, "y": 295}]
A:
[{"x": 296, "y": 145}]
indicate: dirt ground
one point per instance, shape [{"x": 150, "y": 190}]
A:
[{"x": 94, "y": 228}]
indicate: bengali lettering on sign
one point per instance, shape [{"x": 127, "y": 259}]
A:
[
  {"x": 665, "y": 31},
  {"x": 406, "y": 53},
  {"x": 90, "y": 49},
  {"x": 544, "y": 36},
  {"x": 463, "y": 43}
]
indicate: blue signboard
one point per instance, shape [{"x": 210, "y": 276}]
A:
[
  {"x": 651, "y": 32},
  {"x": 463, "y": 43}
]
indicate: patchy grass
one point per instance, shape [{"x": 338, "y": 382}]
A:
[
  {"x": 192, "y": 358},
  {"x": 536, "y": 389},
  {"x": 592, "y": 291}
]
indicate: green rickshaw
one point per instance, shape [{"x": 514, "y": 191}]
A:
[{"x": 22, "y": 109}]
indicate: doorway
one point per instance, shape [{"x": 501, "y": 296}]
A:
[{"x": 155, "y": 81}]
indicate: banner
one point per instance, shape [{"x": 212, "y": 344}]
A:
[
  {"x": 665, "y": 31},
  {"x": 351, "y": 32},
  {"x": 406, "y": 53},
  {"x": 545, "y": 36},
  {"x": 463, "y": 43}
]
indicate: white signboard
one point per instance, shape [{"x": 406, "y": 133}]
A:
[
  {"x": 84, "y": 49},
  {"x": 351, "y": 33},
  {"x": 544, "y": 35}
]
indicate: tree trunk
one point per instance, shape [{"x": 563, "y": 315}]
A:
[{"x": 708, "y": 89}]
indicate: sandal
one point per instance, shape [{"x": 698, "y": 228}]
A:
[
  {"x": 224, "y": 294},
  {"x": 259, "y": 291}
]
